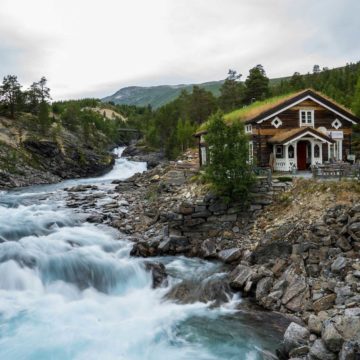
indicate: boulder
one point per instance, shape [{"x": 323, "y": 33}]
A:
[
  {"x": 297, "y": 294},
  {"x": 240, "y": 275},
  {"x": 230, "y": 255},
  {"x": 271, "y": 251},
  {"x": 263, "y": 288},
  {"x": 208, "y": 249},
  {"x": 295, "y": 336},
  {"x": 318, "y": 351},
  {"x": 331, "y": 337},
  {"x": 158, "y": 272}
]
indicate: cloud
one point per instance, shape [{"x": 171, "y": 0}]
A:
[{"x": 85, "y": 47}]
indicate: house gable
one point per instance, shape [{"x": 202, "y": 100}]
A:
[
  {"x": 310, "y": 97},
  {"x": 291, "y": 118}
]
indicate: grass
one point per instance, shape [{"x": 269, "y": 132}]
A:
[{"x": 252, "y": 110}]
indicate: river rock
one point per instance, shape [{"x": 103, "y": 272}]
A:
[
  {"x": 240, "y": 275},
  {"x": 230, "y": 255},
  {"x": 318, "y": 351},
  {"x": 263, "y": 288},
  {"x": 295, "y": 336},
  {"x": 158, "y": 272},
  {"x": 208, "y": 249},
  {"x": 331, "y": 337}
]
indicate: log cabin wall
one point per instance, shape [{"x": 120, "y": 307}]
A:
[{"x": 291, "y": 119}]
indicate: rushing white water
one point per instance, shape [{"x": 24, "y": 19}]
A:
[{"x": 70, "y": 290}]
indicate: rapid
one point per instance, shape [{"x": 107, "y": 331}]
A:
[{"x": 70, "y": 290}]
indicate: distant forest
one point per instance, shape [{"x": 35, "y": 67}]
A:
[{"x": 171, "y": 126}]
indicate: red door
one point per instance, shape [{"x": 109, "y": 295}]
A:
[{"x": 301, "y": 155}]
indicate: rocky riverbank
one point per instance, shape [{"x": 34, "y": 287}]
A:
[
  {"x": 27, "y": 157},
  {"x": 294, "y": 250}
]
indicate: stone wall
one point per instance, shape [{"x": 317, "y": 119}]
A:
[{"x": 187, "y": 226}]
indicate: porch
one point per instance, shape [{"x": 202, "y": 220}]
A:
[{"x": 300, "y": 149}]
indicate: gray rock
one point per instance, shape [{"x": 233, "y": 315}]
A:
[
  {"x": 230, "y": 255},
  {"x": 343, "y": 244},
  {"x": 348, "y": 351},
  {"x": 315, "y": 324},
  {"x": 158, "y": 272},
  {"x": 324, "y": 303},
  {"x": 295, "y": 336},
  {"x": 240, "y": 275},
  {"x": 263, "y": 288},
  {"x": 352, "y": 311},
  {"x": 348, "y": 327},
  {"x": 318, "y": 351},
  {"x": 208, "y": 249},
  {"x": 338, "y": 265},
  {"x": 331, "y": 337}
]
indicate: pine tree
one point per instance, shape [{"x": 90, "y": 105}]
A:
[
  {"x": 256, "y": 85},
  {"x": 231, "y": 92},
  {"x": 356, "y": 98},
  {"x": 10, "y": 94}
]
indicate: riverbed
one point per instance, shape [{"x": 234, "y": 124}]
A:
[{"x": 70, "y": 290}]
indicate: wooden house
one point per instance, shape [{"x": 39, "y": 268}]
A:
[{"x": 293, "y": 132}]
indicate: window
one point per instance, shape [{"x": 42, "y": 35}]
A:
[
  {"x": 279, "y": 151},
  {"x": 316, "y": 151},
  {"x": 335, "y": 151},
  {"x": 276, "y": 122},
  {"x": 306, "y": 117},
  {"x": 291, "y": 152},
  {"x": 251, "y": 151},
  {"x": 336, "y": 124},
  {"x": 248, "y": 129}
]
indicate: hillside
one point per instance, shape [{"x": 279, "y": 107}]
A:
[
  {"x": 160, "y": 95},
  {"x": 157, "y": 96},
  {"x": 28, "y": 156}
]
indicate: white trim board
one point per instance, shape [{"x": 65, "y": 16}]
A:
[
  {"x": 304, "y": 134},
  {"x": 299, "y": 101}
]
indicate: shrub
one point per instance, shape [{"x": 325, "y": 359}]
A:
[{"x": 228, "y": 170}]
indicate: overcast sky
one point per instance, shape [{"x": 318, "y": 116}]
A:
[{"x": 93, "y": 48}]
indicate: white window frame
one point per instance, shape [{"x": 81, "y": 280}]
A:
[
  {"x": 307, "y": 124},
  {"x": 248, "y": 129},
  {"x": 279, "y": 122},
  {"x": 279, "y": 153},
  {"x": 251, "y": 152},
  {"x": 337, "y": 124}
]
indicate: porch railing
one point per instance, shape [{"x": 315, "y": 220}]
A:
[{"x": 337, "y": 170}]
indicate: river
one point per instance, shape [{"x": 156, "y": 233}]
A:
[{"x": 70, "y": 290}]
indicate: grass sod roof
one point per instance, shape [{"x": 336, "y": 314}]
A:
[{"x": 257, "y": 108}]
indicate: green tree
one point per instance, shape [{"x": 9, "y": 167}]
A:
[
  {"x": 43, "y": 117},
  {"x": 231, "y": 92},
  {"x": 228, "y": 170},
  {"x": 356, "y": 98},
  {"x": 184, "y": 134},
  {"x": 10, "y": 94},
  {"x": 256, "y": 85},
  {"x": 297, "y": 81},
  {"x": 37, "y": 94}
]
